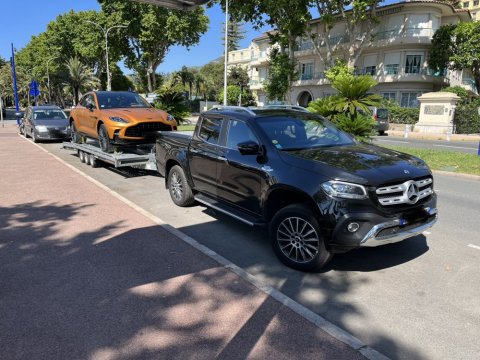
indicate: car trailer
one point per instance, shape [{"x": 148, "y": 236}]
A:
[{"x": 140, "y": 157}]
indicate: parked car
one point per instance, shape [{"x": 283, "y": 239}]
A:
[
  {"x": 382, "y": 118},
  {"x": 117, "y": 118},
  {"x": 316, "y": 188},
  {"x": 45, "y": 123}
]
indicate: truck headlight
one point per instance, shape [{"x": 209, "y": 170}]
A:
[
  {"x": 118, "y": 119},
  {"x": 41, "y": 128},
  {"x": 344, "y": 190}
]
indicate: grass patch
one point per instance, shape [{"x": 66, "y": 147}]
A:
[
  {"x": 186, "y": 127},
  {"x": 445, "y": 160}
]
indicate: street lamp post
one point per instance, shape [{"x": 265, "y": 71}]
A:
[
  {"x": 105, "y": 32},
  {"x": 226, "y": 56},
  {"x": 48, "y": 79}
]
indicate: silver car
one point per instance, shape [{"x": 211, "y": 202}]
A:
[{"x": 45, "y": 123}]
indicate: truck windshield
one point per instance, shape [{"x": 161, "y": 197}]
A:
[
  {"x": 302, "y": 132},
  {"x": 116, "y": 100}
]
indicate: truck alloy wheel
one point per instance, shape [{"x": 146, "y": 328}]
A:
[
  {"x": 297, "y": 239},
  {"x": 180, "y": 191}
]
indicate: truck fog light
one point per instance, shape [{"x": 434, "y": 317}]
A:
[{"x": 352, "y": 227}]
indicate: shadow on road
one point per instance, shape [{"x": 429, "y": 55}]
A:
[
  {"x": 137, "y": 294},
  {"x": 327, "y": 293}
]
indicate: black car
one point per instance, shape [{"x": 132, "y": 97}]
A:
[
  {"x": 45, "y": 123},
  {"x": 316, "y": 188}
]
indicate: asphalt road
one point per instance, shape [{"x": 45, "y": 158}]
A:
[
  {"x": 418, "y": 299},
  {"x": 469, "y": 147}
]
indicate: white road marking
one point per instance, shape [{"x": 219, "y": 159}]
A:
[
  {"x": 474, "y": 246},
  {"x": 398, "y": 141},
  {"x": 456, "y": 147}
]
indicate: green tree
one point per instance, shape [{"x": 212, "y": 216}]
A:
[
  {"x": 153, "y": 30},
  {"x": 457, "y": 47},
  {"x": 238, "y": 75},
  {"x": 80, "y": 77},
  {"x": 289, "y": 18},
  {"x": 281, "y": 74},
  {"x": 237, "y": 96},
  {"x": 213, "y": 73},
  {"x": 358, "y": 18},
  {"x": 171, "y": 99},
  {"x": 236, "y": 33}
]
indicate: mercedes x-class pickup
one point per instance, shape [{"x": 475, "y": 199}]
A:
[{"x": 317, "y": 189}]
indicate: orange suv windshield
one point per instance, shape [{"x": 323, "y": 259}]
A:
[{"x": 121, "y": 100}]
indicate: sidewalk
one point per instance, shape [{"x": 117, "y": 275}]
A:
[{"x": 85, "y": 276}]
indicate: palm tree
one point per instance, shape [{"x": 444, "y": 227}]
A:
[
  {"x": 353, "y": 94},
  {"x": 80, "y": 77}
]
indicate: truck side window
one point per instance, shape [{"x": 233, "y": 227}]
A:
[
  {"x": 239, "y": 132},
  {"x": 210, "y": 130}
]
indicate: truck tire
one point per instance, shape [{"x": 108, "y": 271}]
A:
[
  {"x": 74, "y": 135},
  {"x": 297, "y": 239},
  {"x": 177, "y": 184},
  {"x": 103, "y": 139}
]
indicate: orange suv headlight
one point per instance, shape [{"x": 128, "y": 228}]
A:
[{"x": 118, "y": 119}]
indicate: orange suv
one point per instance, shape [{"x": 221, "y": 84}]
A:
[{"x": 117, "y": 118}]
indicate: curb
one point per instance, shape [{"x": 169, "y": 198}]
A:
[
  {"x": 454, "y": 174},
  {"x": 319, "y": 321}
]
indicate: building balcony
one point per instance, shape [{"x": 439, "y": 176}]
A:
[
  {"x": 411, "y": 74},
  {"x": 256, "y": 84},
  {"x": 311, "y": 79},
  {"x": 408, "y": 35}
]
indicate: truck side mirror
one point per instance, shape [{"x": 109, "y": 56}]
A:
[{"x": 249, "y": 148}]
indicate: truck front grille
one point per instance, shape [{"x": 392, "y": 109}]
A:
[
  {"x": 146, "y": 129},
  {"x": 409, "y": 192}
]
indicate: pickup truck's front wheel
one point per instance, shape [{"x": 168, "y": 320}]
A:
[
  {"x": 180, "y": 191},
  {"x": 297, "y": 239}
]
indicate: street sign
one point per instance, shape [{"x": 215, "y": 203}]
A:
[{"x": 34, "y": 90}]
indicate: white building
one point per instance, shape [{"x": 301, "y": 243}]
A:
[{"x": 397, "y": 56}]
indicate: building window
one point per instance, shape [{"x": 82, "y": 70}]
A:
[
  {"x": 391, "y": 69},
  {"x": 306, "y": 71},
  {"x": 391, "y": 96},
  {"x": 371, "y": 70},
  {"x": 465, "y": 4},
  {"x": 475, "y": 3},
  {"x": 413, "y": 64},
  {"x": 409, "y": 99}
]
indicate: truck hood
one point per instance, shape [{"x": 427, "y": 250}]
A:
[
  {"x": 360, "y": 163},
  {"x": 139, "y": 114}
]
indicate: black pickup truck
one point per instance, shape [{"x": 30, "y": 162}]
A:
[{"x": 317, "y": 189}]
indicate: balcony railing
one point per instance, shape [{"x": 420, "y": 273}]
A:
[
  {"x": 408, "y": 32},
  {"x": 313, "y": 76}
]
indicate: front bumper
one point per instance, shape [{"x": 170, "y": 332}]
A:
[
  {"x": 376, "y": 228},
  {"x": 393, "y": 231},
  {"x": 52, "y": 134}
]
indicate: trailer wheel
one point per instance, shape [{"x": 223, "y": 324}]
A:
[
  {"x": 103, "y": 139},
  {"x": 81, "y": 156},
  {"x": 93, "y": 161},
  {"x": 180, "y": 191}
]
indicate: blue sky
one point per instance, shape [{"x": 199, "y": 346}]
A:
[
  {"x": 28, "y": 17},
  {"x": 21, "y": 19}
]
